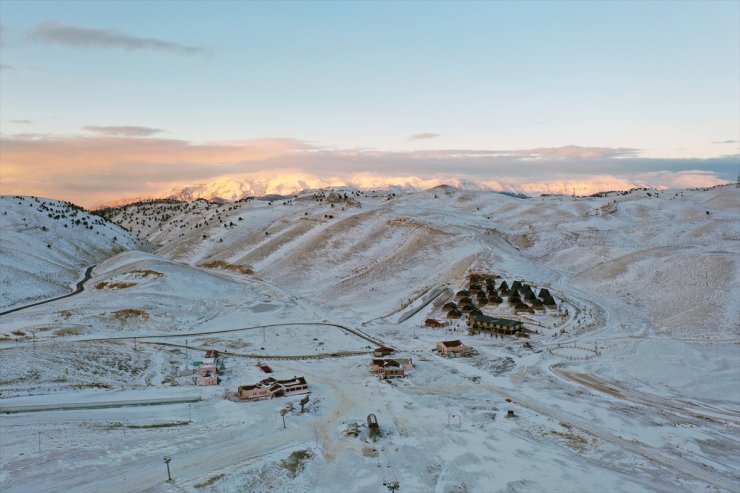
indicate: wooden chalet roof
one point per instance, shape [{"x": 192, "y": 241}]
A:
[
  {"x": 384, "y": 349},
  {"x": 455, "y": 343}
]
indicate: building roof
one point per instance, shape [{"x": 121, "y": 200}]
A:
[
  {"x": 293, "y": 381},
  {"x": 455, "y": 343},
  {"x": 495, "y": 320},
  {"x": 391, "y": 362},
  {"x": 212, "y": 353}
]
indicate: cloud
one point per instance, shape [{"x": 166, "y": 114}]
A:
[
  {"x": 91, "y": 169},
  {"x": 725, "y": 142},
  {"x": 5, "y": 66},
  {"x": 423, "y": 136},
  {"x": 22, "y": 122},
  {"x": 123, "y": 130},
  {"x": 81, "y": 37},
  {"x": 577, "y": 152}
]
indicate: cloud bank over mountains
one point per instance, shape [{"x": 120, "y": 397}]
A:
[{"x": 123, "y": 161}]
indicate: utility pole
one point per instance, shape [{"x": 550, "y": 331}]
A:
[
  {"x": 167, "y": 461},
  {"x": 282, "y": 413}
]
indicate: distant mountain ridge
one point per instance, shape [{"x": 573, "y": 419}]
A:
[{"x": 235, "y": 189}]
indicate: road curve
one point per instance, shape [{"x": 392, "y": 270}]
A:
[{"x": 78, "y": 289}]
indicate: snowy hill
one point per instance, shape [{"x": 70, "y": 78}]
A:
[
  {"x": 627, "y": 384},
  {"x": 46, "y": 245},
  {"x": 650, "y": 249}
]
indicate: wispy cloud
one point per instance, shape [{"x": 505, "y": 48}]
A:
[
  {"x": 91, "y": 169},
  {"x": 577, "y": 152},
  {"x": 82, "y": 37},
  {"x": 22, "y": 122},
  {"x": 424, "y": 136},
  {"x": 724, "y": 142},
  {"x": 5, "y": 66},
  {"x": 123, "y": 130}
]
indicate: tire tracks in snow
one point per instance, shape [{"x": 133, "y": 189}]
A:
[{"x": 676, "y": 464}]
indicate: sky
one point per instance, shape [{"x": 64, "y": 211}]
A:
[{"x": 107, "y": 100}]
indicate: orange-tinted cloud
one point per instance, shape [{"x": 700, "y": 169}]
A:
[
  {"x": 94, "y": 169},
  {"x": 423, "y": 136}
]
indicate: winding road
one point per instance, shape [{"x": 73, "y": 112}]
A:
[{"x": 78, "y": 289}]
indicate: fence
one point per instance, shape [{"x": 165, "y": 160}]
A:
[{"x": 96, "y": 405}]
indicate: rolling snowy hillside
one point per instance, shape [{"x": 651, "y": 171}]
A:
[
  {"x": 46, "y": 245},
  {"x": 662, "y": 252},
  {"x": 628, "y": 384}
]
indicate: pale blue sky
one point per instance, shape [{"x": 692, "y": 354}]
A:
[{"x": 659, "y": 77}]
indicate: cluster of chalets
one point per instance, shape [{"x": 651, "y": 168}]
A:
[{"x": 482, "y": 290}]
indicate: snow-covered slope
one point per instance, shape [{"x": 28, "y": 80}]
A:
[
  {"x": 662, "y": 252},
  {"x": 631, "y": 387},
  {"x": 46, "y": 245}
]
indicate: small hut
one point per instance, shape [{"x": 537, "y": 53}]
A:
[
  {"x": 454, "y": 313},
  {"x": 382, "y": 351},
  {"x": 466, "y": 300},
  {"x": 549, "y": 301},
  {"x": 523, "y": 307},
  {"x": 452, "y": 348},
  {"x": 537, "y": 304},
  {"x": 462, "y": 294},
  {"x": 467, "y": 308}
]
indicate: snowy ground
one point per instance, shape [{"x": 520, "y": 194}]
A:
[{"x": 638, "y": 389}]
